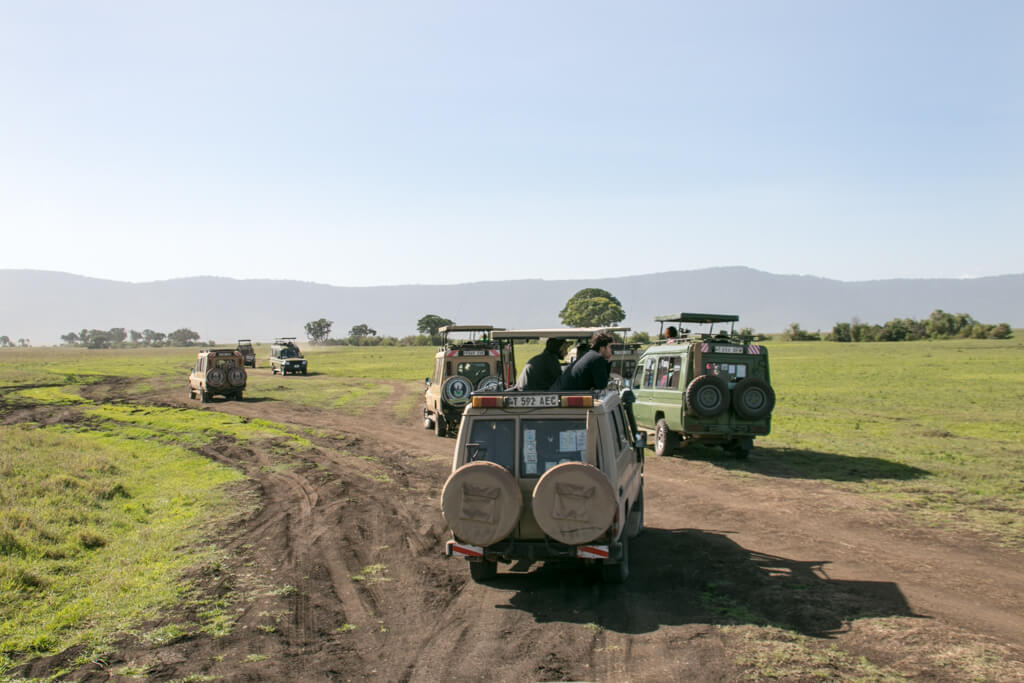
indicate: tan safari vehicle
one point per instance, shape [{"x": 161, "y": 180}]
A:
[
  {"x": 468, "y": 360},
  {"x": 546, "y": 476},
  {"x": 217, "y": 372}
]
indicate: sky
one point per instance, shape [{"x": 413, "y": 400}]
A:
[{"x": 393, "y": 142}]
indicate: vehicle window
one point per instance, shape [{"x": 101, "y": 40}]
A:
[
  {"x": 624, "y": 368},
  {"x": 546, "y": 443},
  {"x": 731, "y": 372},
  {"x": 669, "y": 368},
  {"x": 474, "y": 372},
  {"x": 620, "y": 429},
  {"x": 649, "y": 367},
  {"x": 493, "y": 441},
  {"x": 288, "y": 352},
  {"x": 226, "y": 363}
]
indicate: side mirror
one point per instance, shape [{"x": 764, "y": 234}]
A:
[
  {"x": 627, "y": 396},
  {"x": 426, "y": 381},
  {"x": 640, "y": 439}
]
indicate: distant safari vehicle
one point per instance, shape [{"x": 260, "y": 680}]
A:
[
  {"x": 286, "y": 358},
  {"x": 248, "y": 352},
  {"x": 471, "y": 361},
  {"x": 217, "y": 372},
  {"x": 704, "y": 387}
]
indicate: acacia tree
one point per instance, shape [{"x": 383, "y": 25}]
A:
[
  {"x": 592, "y": 307},
  {"x": 431, "y": 323},
  {"x": 362, "y": 330},
  {"x": 183, "y": 337},
  {"x": 318, "y": 330}
]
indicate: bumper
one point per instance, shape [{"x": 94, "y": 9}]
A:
[{"x": 507, "y": 551}]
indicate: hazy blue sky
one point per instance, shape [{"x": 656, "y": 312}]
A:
[{"x": 438, "y": 142}]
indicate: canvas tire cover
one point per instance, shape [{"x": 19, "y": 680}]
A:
[
  {"x": 456, "y": 390},
  {"x": 236, "y": 376},
  {"x": 481, "y": 503},
  {"x": 215, "y": 377},
  {"x": 574, "y": 503}
]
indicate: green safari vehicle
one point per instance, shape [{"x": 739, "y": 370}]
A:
[{"x": 703, "y": 387}]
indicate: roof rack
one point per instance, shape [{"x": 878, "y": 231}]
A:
[
  {"x": 556, "y": 333},
  {"x": 702, "y": 318}
]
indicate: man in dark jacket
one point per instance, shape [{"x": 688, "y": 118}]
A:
[
  {"x": 542, "y": 370},
  {"x": 591, "y": 370}
]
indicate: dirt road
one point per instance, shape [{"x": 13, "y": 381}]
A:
[{"x": 740, "y": 574}]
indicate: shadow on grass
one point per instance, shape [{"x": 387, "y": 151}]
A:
[
  {"x": 804, "y": 464},
  {"x": 693, "y": 576}
]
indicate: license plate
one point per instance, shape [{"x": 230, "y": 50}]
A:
[
  {"x": 474, "y": 352},
  {"x": 719, "y": 348},
  {"x": 532, "y": 401}
]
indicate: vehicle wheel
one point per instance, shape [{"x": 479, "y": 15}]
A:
[
  {"x": 440, "y": 426},
  {"x": 303, "y": 371},
  {"x": 204, "y": 396},
  {"x": 665, "y": 440},
  {"x": 708, "y": 395},
  {"x": 428, "y": 422},
  {"x": 635, "y": 524},
  {"x": 273, "y": 370},
  {"x": 617, "y": 572},
  {"x": 484, "y": 570},
  {"x": 238, "y": 396},
  {"x": 191, "y": 393},
  {"x": 753, "y": 398}
]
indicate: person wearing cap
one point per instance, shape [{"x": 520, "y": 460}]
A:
[
  {"x": 541, "y": 371},
  {"x": 592, "y": 370}
]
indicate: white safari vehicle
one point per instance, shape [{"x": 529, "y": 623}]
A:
[{"x": 546, "y": 475}]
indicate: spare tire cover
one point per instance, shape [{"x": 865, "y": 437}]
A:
[
  {"x": 215, "y": 377},
  {"x": 456, "y": 390},
  {"x": 753, "y": 398},
  {"x": 236, "y": 376},
  {"x": 481, "y": 503},
  {"x": 708, "y": 395},
  {"x": 574, "y": 503},
  {"x": 489, "y": 383}
]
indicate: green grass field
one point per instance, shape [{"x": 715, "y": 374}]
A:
[{"x": 93, "y": 521}]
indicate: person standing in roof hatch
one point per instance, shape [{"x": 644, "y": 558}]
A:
[
  {"x": 542, "y": 370},
  {"x": 591, "y": 370}
]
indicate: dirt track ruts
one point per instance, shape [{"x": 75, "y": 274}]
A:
[{"x": 338, "y": 576}]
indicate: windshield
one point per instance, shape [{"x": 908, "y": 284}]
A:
[{"x": 288, "y": 352}]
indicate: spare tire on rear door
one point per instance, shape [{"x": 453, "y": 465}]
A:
[
  {"x": 456, "y": 390},
  {"x": 215, "y": 377},
  {"x": 707, "y": 395},
  {"x": 574, "y": 503},
  {"x": 481, "y": 503},
  {"x": 753, "y": 398},
  {"x": 236, "y": 376}
]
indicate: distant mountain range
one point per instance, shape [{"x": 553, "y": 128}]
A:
[{"x": 42, "y": 305}]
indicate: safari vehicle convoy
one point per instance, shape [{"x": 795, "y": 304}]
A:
[
  {"x": 286, "y": 358},
  {"x": 705, "y": 387},
  {"x": 545, "y": 476},
  {"x": 462, "y": 364},
  {"x": 248, "y": 352},
  {"x": 217, "y": 372}
]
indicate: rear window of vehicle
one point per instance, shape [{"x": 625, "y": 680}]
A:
[
  {"x": 474, "y": 372},
  {"x": 546, "y": 443},
  {"x": 493, "y": 441},
  {"x": 730, "y": 371}
]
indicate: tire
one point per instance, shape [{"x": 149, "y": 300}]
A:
[
  {"x": 456, "y": 390},
  {"x": 708, "y": 395},
  {"x": 665, "y": 440},
  {"x": 427, "y": 422},
  {"x": 635, "y": 519},
  {"x": 484, "y": 570},
  {"x": 273, "y": 370},
  {"x": 489, "y": 383},
  {"x": 617, "y": 572},
  {"x": 204, "y": 396},
  {"x": 303, "y": 371},
  {"x": 440, "y": 427},
  {"x": 216, "y": 377},
  {"x": 238, "y": 396},
  {"x": 753, "y": 398},
  {"x": 191, "y": 393}
]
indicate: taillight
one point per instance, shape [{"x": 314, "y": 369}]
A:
[
  {"x": 577, "y": 401},
  {"x": 488, "y": 402}
]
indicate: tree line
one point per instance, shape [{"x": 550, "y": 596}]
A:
[
  {"x": 939, "y": 325},
  {"x": 118, "y": 336}
]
